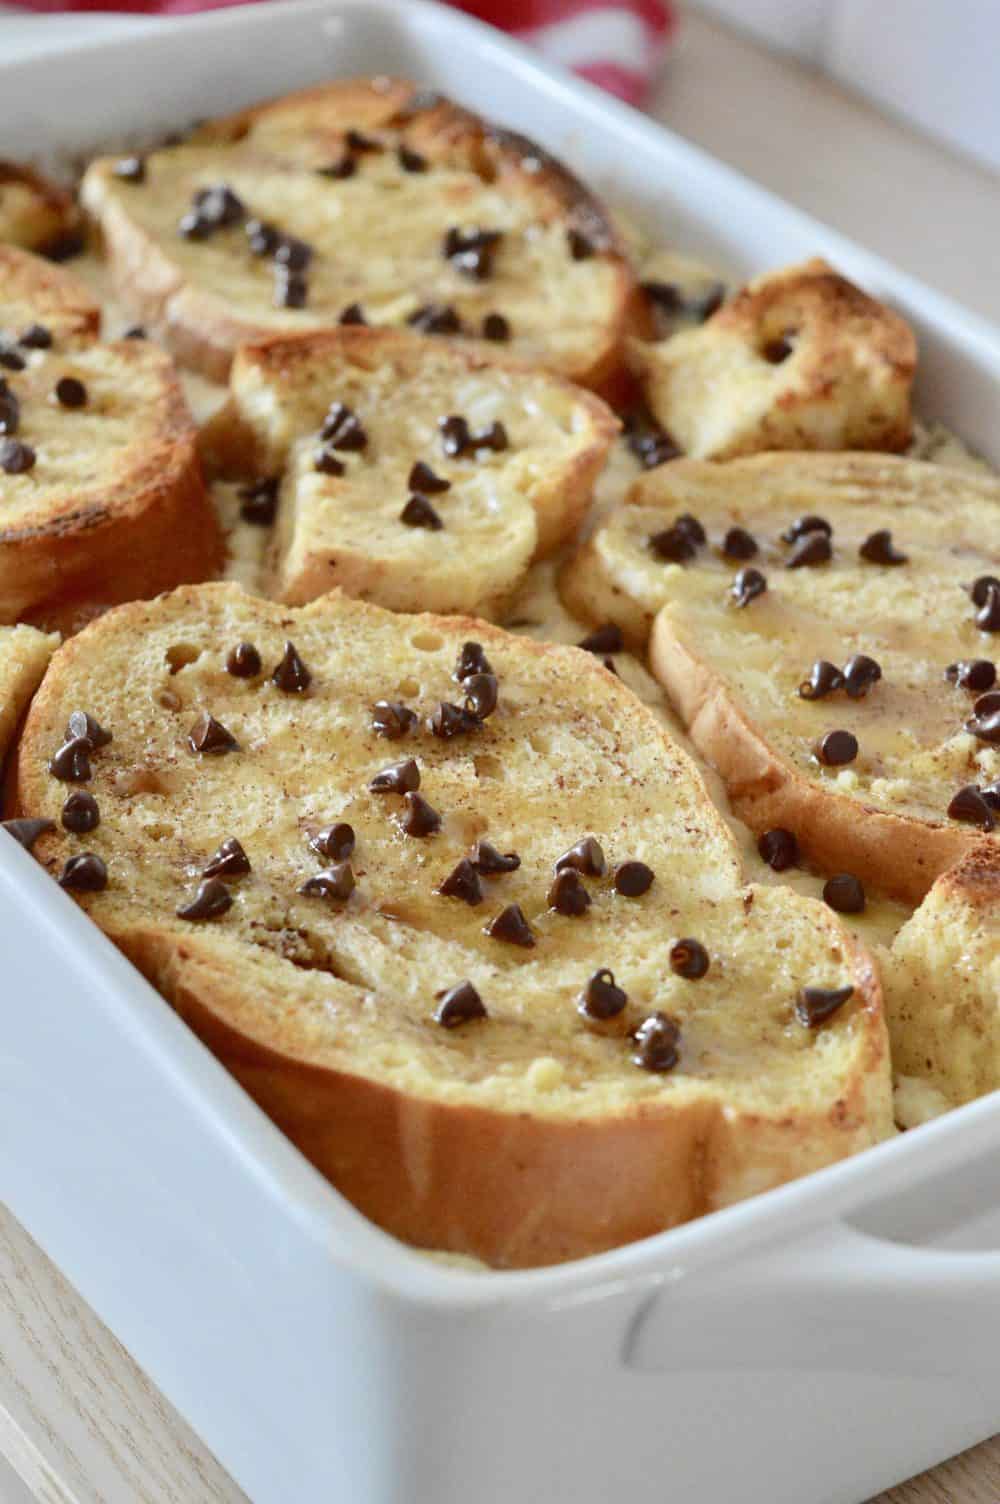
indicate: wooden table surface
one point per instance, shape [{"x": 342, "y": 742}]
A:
[{"x": 79, "y": 1422}]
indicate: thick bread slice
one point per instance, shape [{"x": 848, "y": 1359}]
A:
[
  {"x": 418, "y": 168},
  {"x": 24, "y": 657},
  {"x": 503, "y": 507},
  {"x": 525, "y": 1137},
  {"x": 35, "y": 214},
  {"x": 110, "y": 504},
  {"x": 733, "y": 674},
  {"x": 799, "y": 359}
]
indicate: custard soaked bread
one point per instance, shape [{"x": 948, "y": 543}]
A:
[
  {"x": 24, "y": 657},
  {"x": 485, "y": 1054},
  {"x": 101, "y": 494},
  {"x": 35, "y": 214},
  {"x": 364, "y": 199},
  {"x": 799, "y": 359},
  {"x": 412, "y": 472}
]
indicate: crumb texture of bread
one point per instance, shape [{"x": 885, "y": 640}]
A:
[
  {"x": 35, "y": 213},
  {"x": 798, "y": 359},
  {"x": 525, "y": 1137},
  {"x": 33, "y": 291},
  {"x": 369, "y": 165},
  {"x": 24, "y": 657}
]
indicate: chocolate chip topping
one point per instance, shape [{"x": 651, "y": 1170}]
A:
[
  {"x": 496, "y": 328},
  {"x": 11, "y": 359},
  {"x": 352, "y": 314},
  {"x": 990, "y": 792},
  {"x": 837, "y": 748},
  {"x": 567, "y": 895},
  {"x": 244, "y": 661},
  {"x": 16, "y": 458},
  {"x": 423, "y": 479},
  {"x": 71, "y": 763},
  {"x": 10, "y": 410},
  {"x": 778, "y": 848},
  {"x": 987, "y": 704},
  {"x": 70, "y": 392},
  {"x": 262, "y": 238},
  {"x": 980, "y": 586},
  {"x": 605, "y": 639},
  {"x": 586, "y": 856},
  {"x": 358, "y": 141},
  {"x": 209, "y": 736},
  {"x": 988, "y": 616},
  {"x": 811, "y": 549},
  {"x": 776, "y": 351},
  {"x": 212, "y": 898},
  {"x": 435, "y": 318},
  {"x": 290, "y": 674},
  {"x": 675, "y": 543},
  {"x": 80, "y": 813},
  {"x": 398, "y": 778},
  {"x": 419, "y": 512},
  {"x": 326, "y": 462},
  {"x": 689, "y": 959},
  {"x": 656, "y": 1041},
  {"x": 747, "y": 586},
  {"x": 455, "y": 436},
  {"x": 824, "y": 678},
  {"x": 342, "y": 428},
  {"x": 739, "y": 544},
  {"x": 334, "y": 884},
  {"x": 293, "y": 253},
  {"x": 259, "y": 501},
  {"x": 493, "y": 863},
  {"x": 601, "y": 999},
  {"x": 471, "y": 660},
  {"x": 228, "y": 860},
  {"x": 860, "y": 673},
  {"x": 973, "y": 674},
  {"x": 633, "y": 879},
  {"x": 671, "y": 299},
  {"x": 27, "y": 830},
  {"x": 420, "y": 819},
  {"x": 392, "y": 719},
  {"x": 130, "y": 169},
  {"x": 471, "y": 250},
  {"x": 449, "y": 720},
  {"x": 134, "y": 331},
  {"x": 844, "y": 893},
  {"x": 35, "y": 337},
  {"x": 82, "y": 723},
  {"x": 481, "y": 693},
  {"x": 581, "y": 248},
  {"x": 985, "y": 723},
  {"x": 218, "y": 205},
  {"x": 814, "y": 1005},
  {"x": 463, "y": 882},
  {"x": 803, "y": 525},
  {"x": 410, "y": 160},
  {"x": 335, "y": 843},
  {"x": 511, "y": 926},
  {"x": 290, "y": 289},
  {"x": 346, "y": 167},
  {"x": 459, "y": 1005},
  {"x": 650, "y": 443},
  {"x": 878, "y": 548},
  {"x": 972, "y": 808},
  {"x": 85, "y": 873}
]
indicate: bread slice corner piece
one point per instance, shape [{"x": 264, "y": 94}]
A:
[
  {"x": 525, "y": 1137},
  {"x": 799, "y": 359},
  {"x": 24, "y": 657},
  {"x": 514, "y": 496},
  {"x": 35, "y": 213}
]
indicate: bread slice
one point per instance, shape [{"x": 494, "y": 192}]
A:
[
  {"x": 24, "y": 657},
  {"x": 525, "y": 1137},
  {"x": 101, "y": 493},
  {"x": 488, "y": 510},
  {"x": 35, "y": 213},
  {"x": 733, "y": 674},
  {"x": 799, "y": 359},
  {"x": 371, "y": 176}
]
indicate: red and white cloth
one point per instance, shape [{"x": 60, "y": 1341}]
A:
[{"x": 617, "y": 44}]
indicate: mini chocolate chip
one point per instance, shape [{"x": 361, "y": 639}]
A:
[
  {"x": 666, "y": 295},
  {"x": 219, "y": 205},
  {"x": 471, "y": 250},
  {"x": 335, "y": 843},
  {"x": 777, "y": 350},
  {"x": 986, "y": 704},
  {"x": 990, "y": 793},
  {"x": 580, "y": 247},
  {"x": 85, "y": 873},
  {"x": 511, "y": 926},
  {"x": 11, "y": 359},
  {"x": 291, "y": 290},
  {"x": 70, "y": 392},
  {"x": 420, "y": 819},
  {"x": 656, "y": 1041},
  {"x": 335, "y": 884},
  {"x": 326, "y": 462},
  {"x": 860, "y": 673},
  {"x": 228, "y": 860},
  {"x": 10, "y": 410},
  {"x": 601, "y": 999},
  {"x": 455, "y": 436},
  {"x": 194, "y": 226},
  {"x": 778, "y": 848},
  {"x": 71, "y": 763},
  {"x": 290, "y": 674},
  {"x": 352, "y": 314},
  {"x": 496, "y": 328},
  {"x": 980, "y": 586},
  {"x": 632, "y": 879},
  {"x": 493, "y": 863},
  {"x": 747, "y": 586},
  {"x": 398, "y": 778},
  {"x": 844, "y": 893},
  {"x": 878, "y": 548},
  {"x": 358, "y": 141},
  {"x": 262, "y": 238},
  {"x": 674, "y": 544},
  {"x": 739, "y": 544},
  {"x": 244, "y": 661},
  {"x": 824, "y": 678},
  {"x": 988, "y": 616},
  {"x": 459, "y": 1005},
  {"x": 259, "y": 500},
  {"x": 345, "y": 168},
  {"x": 471, "y": 660},
  {"x": 80, "y": 813},
  {"x": 81, "y": 723},
  {"x": 342, "y": 429},
  {"x": 419, "y": 512},
  {"x": 463, "y": 882},
  {"x": 130, "y": 169},
  {"x": 812, "y": 548},
  {"x": 814, "y": 1005},
  {"x": 16, "y": 458},
  {"x": 212, "y": 899},
  {"x": 605, "y": 639},
  {"x": 650, "y": 443},
  {"x": 803, "y": 525},
  {"x": 35, "y": 337},
  {"x": 134, "y": 331},
  {"x": 423, "y": 479},
  {"x": 495, "y": 437},
  {"x": 435, "y": 318},
  {"x": 689, "y": 959},
  {"x": 969, "y": 806},
  {"x": 586, "y": 856},
  {"x": 293, "y": 253},
  {"x": 209, "y": 736},
  {"x": 70, "y": 244},
  {"x": 26, "y": 830},
  {"x": 481, "y": 692},
  {"x": 837, "y": 748},
  {"x": 973, "y": 674},
  {"x": 567, "y": 895},
  {"x": 985, "y": 727},
  {"x": 450, "y": 720},
  {"x": 410, "y": 160},
  {"x": 392, "y": 719}
]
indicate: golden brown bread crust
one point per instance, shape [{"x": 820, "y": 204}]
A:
[
  {"x": 35, "y": 213},
  {"x": 33, "y": 290}
]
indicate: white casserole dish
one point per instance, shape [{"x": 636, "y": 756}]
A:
[{"x": 809, "y": 1347}]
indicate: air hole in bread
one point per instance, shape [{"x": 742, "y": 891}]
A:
[
  {"x": 180, "y": 654},
  {"x": 131, "y": 781},
  {"x": 427, "y": 642},
  {"x": 168, "y": 699}
]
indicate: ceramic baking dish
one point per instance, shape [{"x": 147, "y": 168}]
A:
[{"x": 811, "y": 1346}]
